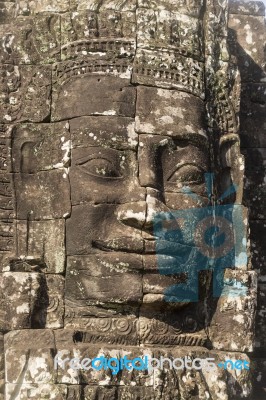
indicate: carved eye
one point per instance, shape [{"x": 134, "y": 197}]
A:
[
  {"x": 100, "y": 167},
  {"x": 187, "y": 173}
]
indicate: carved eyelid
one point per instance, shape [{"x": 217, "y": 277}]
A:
[
  {"x": 101, "y": 157},
  {"x": 91, "y": 157},
  {"x": 187, "y": 164},
  {"x": 190, "y": 139},
  {"x": 98, "y": 153}
]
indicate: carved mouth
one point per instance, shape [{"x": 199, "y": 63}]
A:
[
  {"x": 124, "y": 244},
  {"x": 179, "y": 251}
]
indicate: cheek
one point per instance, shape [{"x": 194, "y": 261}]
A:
[
  {"x": 88, "y": 222},
  {"x": 183, "y": 201},
  {"x": 104, "y": 278},
  {"x": 85, "y": 189}
]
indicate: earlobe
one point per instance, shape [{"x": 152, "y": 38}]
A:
[
  {"x": 28, "y": 162},
  {"x": 232, "y": 165}
]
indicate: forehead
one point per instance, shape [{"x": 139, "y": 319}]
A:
[
  {"x": 111, "y": 108},
  {"x": 94, "y": 95}
]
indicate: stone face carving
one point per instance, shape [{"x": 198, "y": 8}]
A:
[{"x": 110, "y": 110}]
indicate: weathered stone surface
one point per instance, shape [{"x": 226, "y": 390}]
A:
[
  {"x": 94, "y": 28},
  {"x": 258, "y": 253},
  {"x": 86, "y": 231},
  {"x": 255, "y": 197},
  {"x": 7, "y": 12},
  {"x": 2, "y": 368},
  {"x": 237, "y": 304},
  {"x": 113, "y": 330},
  {"x": 106, "y": 378},
  {"x": 45, "y": 343},
  {"x": 260, "y": 337},
  {"x": 247, "y": 7},
  {"x": 168, "y": 70},
  {"x": 158, "y": 60},
  {"x": 7, "y": 200},
  {"x": 55, "y": 305},
  {"x": 258, "y": 374},
  {"x": 178, "y": 381},
  {"x": 20, "y": 295},
  {"x": 37, "y": 240},
  {"x": 142, "y": 101},
  {"x": 95, "y": 5},
  {"x": 28, "y": 7},
  {"x": 160, "y": 111},
  {"x": 160, "y": 393},
  {"x": 106, "y": 131},
  {"x": 7, "y": 236},
  {"x": 202, "y": 384},
  {"x": 119, "y": 97},
  {"x": 161, "y": 329},
  {"x": 85, "y": 282},
  {"x": 169, "y": 30},
  {"x": 42, "y": 306},
  {"x": 113, "y": 57},
  {"x": 247, "y": 37},
  {"x": 157, "y": 284},
  {"x": 31, "y": 40},
  {"x": 127, "y": 393},
  {"x": 36, "y": 302},
  {"x": 40, "y": 147},
  {"x": 253, "y": 108},
  {"x": 192, "y": 8},
  {"x": 254, "y": 161},
  {"x": 91, "y": 170},
  {"x": 44, "y": 195},
  {"x": 32, "y": 375},
  {"x": 25, "y": 93},
  {"x": 35, "y": 392}
]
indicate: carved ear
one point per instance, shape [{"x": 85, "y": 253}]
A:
[
  {"x": 232, "y": 165},
  {"x": 28, "y": 161}
]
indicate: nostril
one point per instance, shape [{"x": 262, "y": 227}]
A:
[
  {"x": 132, "y": 214},
  {"x": 77, "y": 337},
  {"x": 154, "y": 208},
  {"x": 152, "y": 185},
  {"x": 148, "y": 226}
]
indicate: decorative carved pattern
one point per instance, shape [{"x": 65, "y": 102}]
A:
[
  {"x": 6, "y": 194},
  {"x": 111, "y": 330},
  {"x": 119, "y": 48},
  {"x": 65, "y": 71},
  {"x": 187, "y": 329},
  {"x": 220, "y": 77},
  {"x": 25, "y": 93},
  {"x": 185, "y": 74},
  {"x": 170, "y": 70}
]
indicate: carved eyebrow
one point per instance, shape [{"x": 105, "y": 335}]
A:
[
  {"x": 100, "y": 152},
  {"x": 188, "y": 163},
  {"x": 178, "y": 166},
  {"x": 90, "y": 157},
  {"x": 195, "y": 139}
]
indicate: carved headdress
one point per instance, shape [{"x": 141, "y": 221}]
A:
[{"x": 176, "y": 44}]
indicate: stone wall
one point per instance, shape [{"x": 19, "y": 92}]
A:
[
  {"x": 247, "y": 24},
  {"x": 44, "y": 307}
]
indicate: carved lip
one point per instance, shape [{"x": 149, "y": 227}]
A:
[
  {"x": 125, "y": 244},
  {"x": 141, "y": 246}
]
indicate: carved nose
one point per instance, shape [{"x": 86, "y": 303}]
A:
[
  {"x": 132, "y": 214},
  {"x": 141, "y": 214},
  {"x": 154, "y": 207}
]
